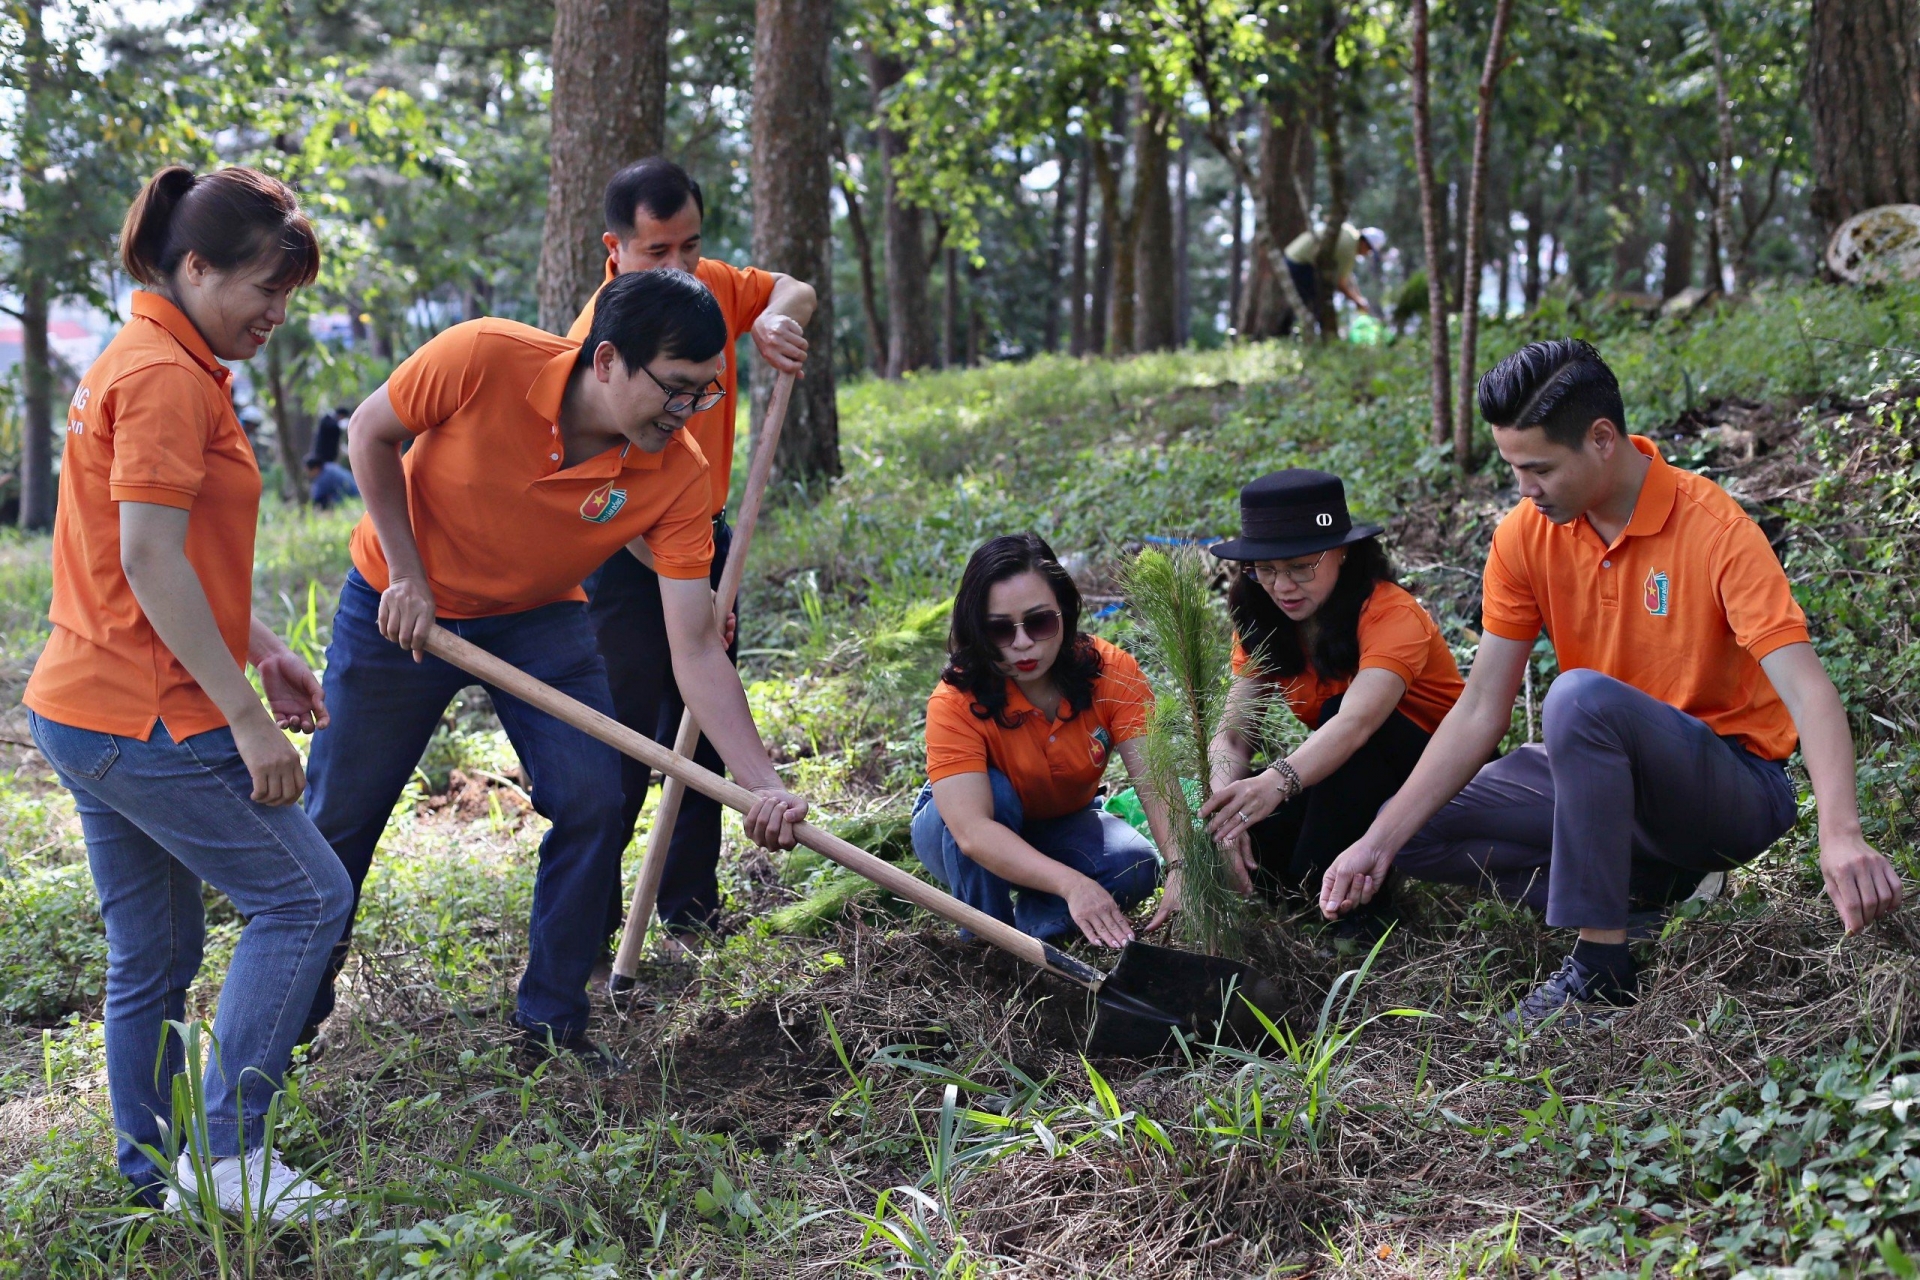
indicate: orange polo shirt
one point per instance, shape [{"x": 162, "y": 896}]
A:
[
  {"x": 502, "y": 526},
  {"x": 1397, "y": 635},
  {"x": 742, "y": 293},
  {"x": 1055, "y": 766},
  {"x": 152, "y": 421},
  {"x": 1682, "y": 605}
]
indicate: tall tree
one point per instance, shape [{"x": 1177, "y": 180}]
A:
[
  {"x": 1473, "y": 235},
  {"x": 1153, "y": 317},
  {"x": 1420, "y": 97},
  {"x": 909, "y": 331},
  {"x": 1056, "y": 248},
  {"x": 1863, "y": 88},
  {"x": 1077, "y": 271},
  {"x": 609, "y": 108},
  {"x": 1327, "y": 113},
  {"x": 863, "y": 255},
  {"x": 792, "y": 219},
  {"x": 1182, "y": 249}
]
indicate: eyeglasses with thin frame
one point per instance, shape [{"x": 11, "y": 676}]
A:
[
  {"x": 1040, "y": 626},
  {"x": 1271, "y": 569},
  {"x": 688, "y": 401}
]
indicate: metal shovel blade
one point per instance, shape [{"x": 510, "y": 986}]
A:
[{"x": 1154, "y": 991}]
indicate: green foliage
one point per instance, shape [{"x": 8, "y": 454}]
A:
[
  {"x": 483, "y": 1244},
  {"x": 1188, "y": 645}
]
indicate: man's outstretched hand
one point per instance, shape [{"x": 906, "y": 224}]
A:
[
  {"x": 1862, "y": 883},
  {"x": 1353, "y": 879}
]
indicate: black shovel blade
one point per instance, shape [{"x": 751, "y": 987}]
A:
[{"x": 1155, "y": 990}]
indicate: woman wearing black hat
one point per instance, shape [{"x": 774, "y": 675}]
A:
[{"x": 1319, "y": 621}]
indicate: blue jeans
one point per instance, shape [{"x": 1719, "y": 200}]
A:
[
  {"x": 160, "y": 817},
  {"x": 385, "y": 706},
  {"x": 1091, "y": 841}
]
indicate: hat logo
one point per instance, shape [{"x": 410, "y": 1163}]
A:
[{"x": 1324, "y": 520}]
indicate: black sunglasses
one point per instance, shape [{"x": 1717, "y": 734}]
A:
[
  {"x": 1040, "y": 625},
  {"x": 684, "y": 401}
]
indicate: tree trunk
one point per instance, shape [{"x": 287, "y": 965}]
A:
[
  {"x": 909, "y": 331},
  {"x": 1472, "y": 236},
  {"x": 1726, "y": 185},
  {"x": 1863, "y": 96},
  {"x": 1267, "y": 307},
  {"x": 609, "y": 109},
  {"x": 1120, "y": 302},
  {"x": 1677, "y": 274},
  {"x": 1056, "y": 252},
  {"x": 1236, "y": 252},
  {"x": 869, "y": 303},
  {"x": 1332, "y": 136},
  {"x": 1102, "y": 293},
  {"x": 1430, "y": 228},
  {"x": 1077, "y": 273},
  {"x": 949, "y": 308},
  {"x": 36, "y": 417},
  {"x": 1154, "y": 325},
  {"x": 976, "y": 322},
  {"x": 1531, "y": 282},
  {"x": 292, "y": 425},
  {"x": 792, "y": 133},
  {"x": 1182, "y": 258}
]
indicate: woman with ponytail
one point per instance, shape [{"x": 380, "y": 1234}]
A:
[{"x": 141, "y": 700}]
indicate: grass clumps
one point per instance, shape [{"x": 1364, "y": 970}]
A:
[{"x": 1186, "y": 640}]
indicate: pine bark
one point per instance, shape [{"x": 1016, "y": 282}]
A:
[
  {"x": 37, "y": 489},
  {"x": 869, "y": 300},
  {"x": 609, "y": 109},
  {"x": 1472, "y": 237},
  {"x": 1056, "y": 251},
  {"x": 1182, "y": 256},
  {"x": 1153, "y": 318},
  {"x": 909, "y": 327},
  {"x": 1077, "y": 272},
  {"x": 1332, "y": 137},
  {"x": 1863, "y": 95},
  {"x": 1432, "y": 232},
  {"x": 792, "y": 219},
  {"x": 1677, "y": 274}
]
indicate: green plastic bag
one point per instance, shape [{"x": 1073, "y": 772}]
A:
[
  {"x": 1125, "y": 805},
  {"x": 1364, "y": 331}
]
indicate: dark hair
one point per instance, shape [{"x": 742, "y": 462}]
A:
[
  {"x": 973, "y": 660},
  {"x": 1274, "y": 639},
  {"x": 1562, "y": 387},
  {"x": 233, "y": 217},
  {"x": 650, "y": 313},
  {"x": 658, "y": 185}
]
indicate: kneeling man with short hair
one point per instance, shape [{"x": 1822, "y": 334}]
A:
[{"x": 1686, "y": 674}]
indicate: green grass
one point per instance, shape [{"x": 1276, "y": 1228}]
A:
[{"x": 837, "y": 1089}]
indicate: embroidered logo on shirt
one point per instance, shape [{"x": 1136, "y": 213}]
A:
[
  {"x": 1102, "y": 745},
  {"x": 603, "y": 504},
  {"x": 1656, "y": 594}
]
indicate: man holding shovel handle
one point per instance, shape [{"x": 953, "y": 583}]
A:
[{"x": 533, "y": 458}]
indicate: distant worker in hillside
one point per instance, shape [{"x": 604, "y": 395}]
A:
[
  {"x": 654, "y": 214},
  {"x": 328, "y": 483},
  {"x": 1019, "y": 731},
  {"x": 529, "y": 460},
  {"x": 1320, "y": 622},
  {"x": 1303, "y": 251},
  {"x": 1686, "y": 677},
  {"x": 328, "y": 432}
]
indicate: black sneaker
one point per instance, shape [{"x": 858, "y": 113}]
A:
[
  {"x": 1575, "y": 997},
  {"x": 596, "y": 1060}
]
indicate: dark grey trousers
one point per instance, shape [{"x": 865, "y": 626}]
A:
[{"x": 1628, "y": 799}]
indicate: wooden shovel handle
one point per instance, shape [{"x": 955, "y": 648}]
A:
[{"x": 477, "y": 662}]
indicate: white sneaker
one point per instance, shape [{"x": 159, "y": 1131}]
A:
[{"x": 286, "y": 1193}]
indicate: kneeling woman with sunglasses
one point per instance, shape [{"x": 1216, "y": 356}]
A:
[
  {"x": 1319, "y": 620},
  {"x": 1019, "y": 732}
]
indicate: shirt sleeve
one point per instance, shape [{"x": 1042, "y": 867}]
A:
[
  {"x": 1393, "y": 638},
  {"x": 1754, "y": 592},
  {"x": 742, "y": 292},
  {"x": 431, "y": 384},
  {"x": 1122, "y": 695},
  {"x": 1508, "y": 607},
  {"x": 956, "y": 738},
  {"x": 161, "y": 428},
  {"x": 682, "y": 538}
]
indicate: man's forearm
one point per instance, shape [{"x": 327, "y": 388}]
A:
[
  {"x": 1826, "y": 740},
  {"x": 383, "y": 484},
  {"x": 712, "y": 690},
  {"x": 795, "y": 298}
]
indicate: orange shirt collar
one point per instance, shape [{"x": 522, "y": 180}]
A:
[
  {"x": 151, "y": 306},
  {"x": 549, "y": 392},
  {"x": 1657, "y": 492}
]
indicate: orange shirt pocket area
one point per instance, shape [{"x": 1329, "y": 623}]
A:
[
  {"x": 501, "y": 525},
  {"x": 1055, "y": 766},
  {"x": 151, "y": 421},
  {"x": 1682, "y": 605},
  {"x": 1397, "y": 634}
]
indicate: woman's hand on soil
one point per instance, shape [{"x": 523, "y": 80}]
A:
[
  {"x": 406, "y": 614},
  {"x": 775, "y": 813},
  {"x": 1098, "y": 915},
  {"x": 1169, "y": 901},
  {"x": 293, "y": 693},
  {"x": 275, "y": 766}
]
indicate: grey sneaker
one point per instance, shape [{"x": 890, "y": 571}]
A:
[
  {"x": 1576, "y": 996},
  {"x": 259, "y": 1181}
]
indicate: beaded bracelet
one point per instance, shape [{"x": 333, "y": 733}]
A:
[{"x": 1289, "y": 780}]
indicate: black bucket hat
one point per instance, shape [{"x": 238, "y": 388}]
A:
[{"x": 1291, "y": 513}]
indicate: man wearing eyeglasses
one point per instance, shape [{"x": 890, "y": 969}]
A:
[
  {"x": 529, "y": 460},
  {"x": 654, "y": 214}
]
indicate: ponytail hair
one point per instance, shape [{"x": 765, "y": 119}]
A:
[{"x": 234, "y": 217}]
